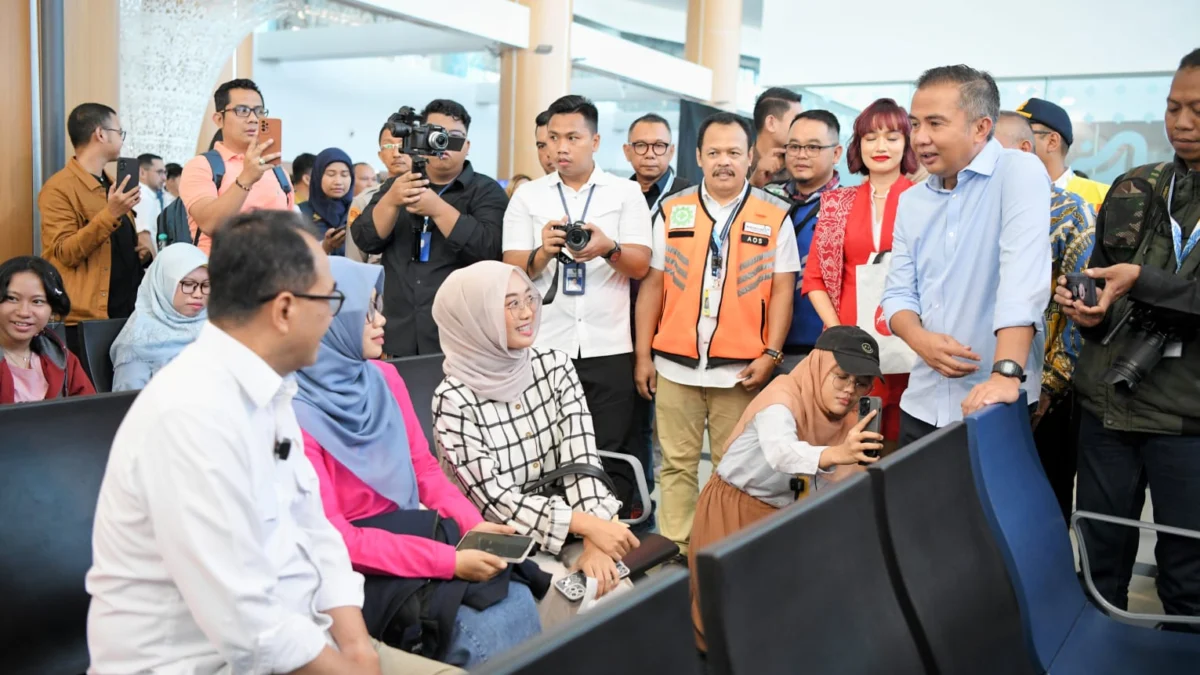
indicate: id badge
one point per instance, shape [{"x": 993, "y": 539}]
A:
[
  {"x": 1173, "y": 350},
  {"x": 574, "y": 278},
  {"x": 423, "y": 254},
  {"x": 705, "y": 306}
]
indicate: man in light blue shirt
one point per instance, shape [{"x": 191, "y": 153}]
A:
[{"x": 971, "y": 255}]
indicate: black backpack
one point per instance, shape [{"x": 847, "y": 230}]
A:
[{"x": 173, "y": 221}]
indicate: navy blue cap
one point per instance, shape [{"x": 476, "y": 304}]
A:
[{"x": 1048, "y": 114}]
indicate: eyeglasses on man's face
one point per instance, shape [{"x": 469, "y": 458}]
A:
[
  {"x": 244, "y": 111},
  {"x": 122, "y": 132},
  {"x": 335, "y": 299},
  {"x": 798, "y": 150},
  {"x": 641, "y": 147}
]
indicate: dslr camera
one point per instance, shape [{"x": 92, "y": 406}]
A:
[
  {"x": 421, "y": 140},
  {"x": 577, "y": 236},
  {"x": 1149, "y": 337}
]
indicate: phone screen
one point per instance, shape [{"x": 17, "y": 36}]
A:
[{"x": 508, "y": 546}]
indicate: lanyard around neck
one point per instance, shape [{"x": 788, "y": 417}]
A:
[
  {"x": 668, "y": 181},
  {"x": 566, "y": 211},
  {"x": 1181, "y": 250},
  {"x": 719, "y": 236}
]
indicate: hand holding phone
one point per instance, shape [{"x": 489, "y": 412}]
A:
[
  {"x": 1082, "y": 288},
  {"x": 510, "y": 548},
  {"x": 127, "y": 174}
]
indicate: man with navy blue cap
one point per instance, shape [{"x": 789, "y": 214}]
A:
[{"x": 1054, "y": 136}]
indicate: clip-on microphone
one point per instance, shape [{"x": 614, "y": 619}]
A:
[{"x": 283, "y": 448}]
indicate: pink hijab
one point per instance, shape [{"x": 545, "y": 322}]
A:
[{"x": 469, "y": 311}]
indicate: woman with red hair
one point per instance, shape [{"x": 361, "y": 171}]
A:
[{"x": 855, "y": 223}]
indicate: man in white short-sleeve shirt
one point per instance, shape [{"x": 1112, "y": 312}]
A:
[
  {"x": 586, "y": 291},
  {"x": 713, "y": 312}
]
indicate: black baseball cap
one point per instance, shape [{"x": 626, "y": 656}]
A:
[
  {"x": 855, "y": 351},
  {"x": 1048, "y": 114}
]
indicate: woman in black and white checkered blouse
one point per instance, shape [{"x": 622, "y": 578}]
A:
[{"x": 507, "y": 413}]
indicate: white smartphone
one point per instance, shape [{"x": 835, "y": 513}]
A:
[
  {"x": 510, "y": 548},
  {"x": 575, "y": 585}
]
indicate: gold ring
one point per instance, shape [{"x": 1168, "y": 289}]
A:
[{"x": 261, "y": 160}]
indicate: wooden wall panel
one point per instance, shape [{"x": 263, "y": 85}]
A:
[
  {"x": 91, "y": 73},
  {"x": 16, "y": 142}
]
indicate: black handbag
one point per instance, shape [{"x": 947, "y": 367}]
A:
[{"x": 549, "y": 484}]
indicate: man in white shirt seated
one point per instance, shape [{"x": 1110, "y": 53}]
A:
[
  {"x": 152, "y": 178},
  {"x": 585, "y": 288},
  {"x": 212, "y": 553}
]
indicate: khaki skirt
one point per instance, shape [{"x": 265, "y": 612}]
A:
[{"x": 721, "y": 511}]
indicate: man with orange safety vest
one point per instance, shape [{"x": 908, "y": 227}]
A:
[{"x": 713, "y": 312}]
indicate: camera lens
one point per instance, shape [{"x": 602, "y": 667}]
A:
[
  {"x": 577, "y": 237},
  {"x": 1144, "y": 352},
  {"x": 439, "y": 140}
]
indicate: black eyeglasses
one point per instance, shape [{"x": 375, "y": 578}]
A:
[
  {"x": 119, "y": 131},
  {"x": 188, "y": 287},
  {"x": 660, "y": 148},
  {"x": 335, "y": 299},
  {"x": 245, "y": 110},
  {"x": 797, "y": 150}
]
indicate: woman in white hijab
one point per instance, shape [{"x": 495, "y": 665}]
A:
[
  {"x": 508, "y": 414},
  {"x": 171, "y": 307}
]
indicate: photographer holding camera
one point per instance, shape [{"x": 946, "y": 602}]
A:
[
  {"x": 1138, "y": 376},
  {"x": 426, "y": 225},
  {"x": 581, "y": 234}
]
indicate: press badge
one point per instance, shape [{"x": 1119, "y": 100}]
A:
[
  {"x": 423, "y": 254},
  {"x": 574, "y": 278}
]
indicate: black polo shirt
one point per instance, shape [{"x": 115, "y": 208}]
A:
[{"x": 409, "y": 286}]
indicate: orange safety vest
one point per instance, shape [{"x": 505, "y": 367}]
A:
[{"x": 741, "y": 333}]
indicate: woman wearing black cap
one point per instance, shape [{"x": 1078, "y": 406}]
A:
[{"x": 804, "y": 424}]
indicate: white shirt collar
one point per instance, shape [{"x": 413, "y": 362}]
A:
[
  {"x": 711, "y": 201},
  {"x": 1065, "y": 178},
  {"x": 258, "y": 379},
  {"x": 599, "y": 177}
]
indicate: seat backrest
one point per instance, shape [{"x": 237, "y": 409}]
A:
[
  {"x": 1027, "y": 524},
  {"x": 58, "y": 329},
  {"x": 97, "y": 338},
  {"x": 647, "y": 630},
  {"x": 422, "y": 374},
  {"x": 806, "y": 590},
  {"x": 948, "y": 561},
  {"x": 52, "y": 459}
]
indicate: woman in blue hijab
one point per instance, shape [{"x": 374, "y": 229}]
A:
[
  {"x": 372, "y": 459},
  {"x": 329, "y": 197},
  {"x": 171, "y": 307}
]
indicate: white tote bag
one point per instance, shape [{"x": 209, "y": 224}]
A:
[{"x": 895, "y": 356}]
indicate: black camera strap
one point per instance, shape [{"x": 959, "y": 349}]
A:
[{"x": 562, "y": 258}]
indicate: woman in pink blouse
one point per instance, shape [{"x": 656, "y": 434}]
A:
[{"x": 365, "y": 442}]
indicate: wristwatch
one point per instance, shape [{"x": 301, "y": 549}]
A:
[
  {"x": 776, "y": 356},
  {"x": 1009, "y": 368},
  {"x": 614, "y": 255}
]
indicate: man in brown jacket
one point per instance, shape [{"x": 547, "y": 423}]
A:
[{"x": 87, "y": 224}]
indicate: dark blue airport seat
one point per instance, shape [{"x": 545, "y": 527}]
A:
[
  {"x": 647, "y": 630},
  {"x": 422, "y": 374},
  {"x": 1064, "y": 632},
  {"x": 58, "y": 328},
  {"x": 807, "y": 590},
  {"x": 96, "y": 338},
  {"x": 52, "y": 459},
  {"x": 950, "y": 566}
]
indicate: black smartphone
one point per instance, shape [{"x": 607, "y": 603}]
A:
[
  {"x": 511, "y": 548},
  {"x": 865, "y": 405},
  {"x": 1083, "y": 288},
  {"x": 127, "y": 167}
]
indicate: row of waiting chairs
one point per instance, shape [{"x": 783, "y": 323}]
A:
[{"x": 948, "y": 557}]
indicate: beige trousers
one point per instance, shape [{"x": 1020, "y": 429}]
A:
[
  {"x": 682, "y": 415},
  {"x": 395, "y": 662}
]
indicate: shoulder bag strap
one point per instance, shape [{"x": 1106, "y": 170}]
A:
[{"x": 551, "y": 477}]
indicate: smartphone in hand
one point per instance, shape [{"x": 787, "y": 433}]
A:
[
  {"x": 271, "y": 128},
  {"x": 1082, "y": 288},
  {"x": 866, "y": 405},
  {"x": 127, "y": 167}
]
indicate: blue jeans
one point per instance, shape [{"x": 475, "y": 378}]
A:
[{"x": 478, "y": 636}]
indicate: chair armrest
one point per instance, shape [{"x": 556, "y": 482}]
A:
[
  {"x": 640, "y": 477},
  {"x": 653, "y": 550},
  {"x": 1087, "y": 571}
]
